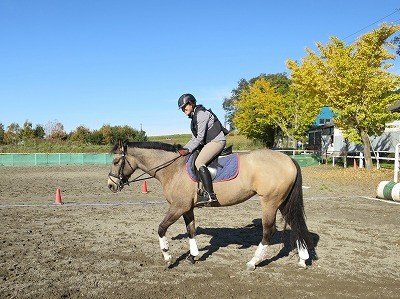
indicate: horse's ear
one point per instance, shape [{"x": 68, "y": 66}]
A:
[{"x": 120, "y": 145}]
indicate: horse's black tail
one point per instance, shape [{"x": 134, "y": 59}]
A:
[{"x": 292, "y": 210}]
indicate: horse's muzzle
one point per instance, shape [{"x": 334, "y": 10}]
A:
[{"x": 115, "y": 186}]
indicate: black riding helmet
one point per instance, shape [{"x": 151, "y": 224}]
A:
[{"x": 186, "y": 98}]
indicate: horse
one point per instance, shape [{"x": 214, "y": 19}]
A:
[{"x": 274, "y": 176}]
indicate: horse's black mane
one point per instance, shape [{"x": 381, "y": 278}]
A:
[{"x": 152, "y": 145}]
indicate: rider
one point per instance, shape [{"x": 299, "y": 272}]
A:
[{"x": 208, "y": 135}]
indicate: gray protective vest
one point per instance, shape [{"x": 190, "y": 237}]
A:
[{"x": 213, "y": 131}]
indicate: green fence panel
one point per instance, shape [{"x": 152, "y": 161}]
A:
[
  {"x": 82, "y": 159},
  {"x": 306, "y": 160},
  {"x": 54, "y": 159}
]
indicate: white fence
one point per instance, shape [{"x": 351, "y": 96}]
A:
[{"x": 378, "y": 156}]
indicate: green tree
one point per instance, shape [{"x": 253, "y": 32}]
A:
[
  {"x": 13, "y": 134},
  {"x": 263, "y": 106},
  {"x": 110, "y": 134},
  {"x": 27, "y": 133},
  {"x": 124, "y": 133},
  {"x": 141, "y": 136},
  {"x": 280, "y": 81},
  {"x": 107, "y": 134},
  {"x": 39, "y": 132},
  {"x": 81, "y": 135},
  {"x": 354, "y": 81},
  {"x": 96, "y": 137}
]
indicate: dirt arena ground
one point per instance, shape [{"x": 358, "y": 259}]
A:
[{"x": 104, "y": 245}]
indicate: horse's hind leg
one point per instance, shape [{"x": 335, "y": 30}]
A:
[
  {"x": 191, "y": 230},
  {"x": 268, "y": 223}
]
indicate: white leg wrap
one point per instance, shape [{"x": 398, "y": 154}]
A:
[
  {"x": 193, "y": 247},
  {"x": 164, "y": 243},
  {"x": 164, "y": 249},
  {"x": 259, "y": 256},
  {"x": 261, "y": 252},
  {"x": 302, "y": 249}
]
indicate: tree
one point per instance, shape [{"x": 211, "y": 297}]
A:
[
  {"x": 280, "y": 81},
  {"x": 111, "y": 134},
  {"x": 27, "y": 133},
  {"x": 96, "y": 137},
  {"x": 354, "y": 81},
  {"x": 248, "y": 116},
  {"x": 106, "y": 132},
  {"x": 55, "y": 130},
  {"x": 124, "y": 133},
  {"x": 141, "y": 136},
  {"x": 13, "y": 134},
  {"x": 39, "y": 132},
  {"x": 262, "y": 105},
  {"x": 81, "y": 135}
]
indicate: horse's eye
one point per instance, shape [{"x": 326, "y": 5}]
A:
[{"x": 115, "y": 162}]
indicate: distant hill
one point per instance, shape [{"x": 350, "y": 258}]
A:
[{"x": 172, "y": 139}]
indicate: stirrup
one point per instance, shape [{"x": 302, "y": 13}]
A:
[{"x": 204, "y": 198}]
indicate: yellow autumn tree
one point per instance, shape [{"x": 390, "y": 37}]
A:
[
  {"x": 354, "y": 81},
  {"x": 260, "y": 106}
]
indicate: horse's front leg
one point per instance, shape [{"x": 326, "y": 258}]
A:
[
  {"x": 191, "y": 231},
  {"x": 173, "y": 214}
]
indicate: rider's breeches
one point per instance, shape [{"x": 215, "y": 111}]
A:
[{"x": 208, "y": 152}]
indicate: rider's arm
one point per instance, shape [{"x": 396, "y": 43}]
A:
[{"x": 202, "y": 126}]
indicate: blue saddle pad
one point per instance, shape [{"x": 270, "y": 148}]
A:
[{"x": 228, "y": 169}]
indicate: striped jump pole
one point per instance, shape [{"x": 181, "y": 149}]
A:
[{"x": 388, "y": 190}]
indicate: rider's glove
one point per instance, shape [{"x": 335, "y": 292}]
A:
[{"x": 183, "y": 152}]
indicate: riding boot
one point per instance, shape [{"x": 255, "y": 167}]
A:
[{"x": 205, "y": 178}]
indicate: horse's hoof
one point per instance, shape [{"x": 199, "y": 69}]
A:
[
  {"x": 302, "y": 264},
  {"x": 250, "y": 266},
  {"x": 168, "y": 264},
  {"x": 190, "y": 259}
]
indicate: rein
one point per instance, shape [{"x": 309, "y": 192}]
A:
[
  {"x": 123, "y": 181},
  {"x": 157, "y": 168}
]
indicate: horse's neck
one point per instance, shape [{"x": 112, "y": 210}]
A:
[{"x": 155, "y": 162}]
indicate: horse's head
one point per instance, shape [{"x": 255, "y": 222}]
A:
[{"x": 121, "y": 169}]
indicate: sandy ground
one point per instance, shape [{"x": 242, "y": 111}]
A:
[{"x": 104, "y": 245}]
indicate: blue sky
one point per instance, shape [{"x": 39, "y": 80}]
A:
[{"x": 126, "y": 62}]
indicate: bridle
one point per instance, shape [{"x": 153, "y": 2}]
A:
[{"x": 124, "y": 180}]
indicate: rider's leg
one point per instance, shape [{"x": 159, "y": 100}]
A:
[
  {"x": 208, "y": 152},
  {"x": 205, "y": 177}
]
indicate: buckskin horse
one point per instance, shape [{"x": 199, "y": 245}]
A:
[{"x": 274, "y": 176}]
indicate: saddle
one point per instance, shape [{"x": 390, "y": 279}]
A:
[{"x": 224, "y": 167}]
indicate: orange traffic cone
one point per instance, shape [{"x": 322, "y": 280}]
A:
[
  {"x": 58, "y": 197},
  {"x": 355, "y": 164},
  {"x": 144, "y": 187}
]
